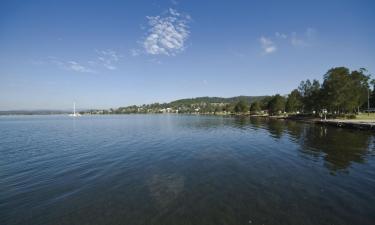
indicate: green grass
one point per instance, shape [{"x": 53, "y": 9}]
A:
[{"x": 365, "y": 116}]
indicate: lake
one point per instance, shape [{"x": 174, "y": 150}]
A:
[{"x": 183, "y": 169}]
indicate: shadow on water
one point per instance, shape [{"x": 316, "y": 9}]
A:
[{"x": 338, "y": 147}]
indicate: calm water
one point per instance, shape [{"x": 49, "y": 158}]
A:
[{"x": 171, "y": 170}]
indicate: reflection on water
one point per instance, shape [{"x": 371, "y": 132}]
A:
[
  {"x": 171, "y": 170},
  {"x": 338, "y": 147}
]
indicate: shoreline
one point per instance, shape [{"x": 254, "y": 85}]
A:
[
  {"x": 340, "y": 123},
  {"x": 353, "y": 124}
]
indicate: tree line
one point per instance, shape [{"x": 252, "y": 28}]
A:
[{"x": 342, "y": 91}]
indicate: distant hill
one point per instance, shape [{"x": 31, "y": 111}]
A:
[
  {"x": 189, "y": 101},
  {"x": 187, "y": 105}
]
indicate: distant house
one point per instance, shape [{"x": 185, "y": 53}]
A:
[{"x": 166, "y": 110}]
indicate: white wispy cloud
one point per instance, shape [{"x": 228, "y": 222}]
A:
[
  {"x": 105, "y": 59},
  {"x": 281, "y": 35},
  {"x": 77, "y": 67},
  {"x": 108, "y": 58},
  {"x": 167, "y": 33},
  {"x": 267, "y": 45},
  {"x": 135, "y": 52},
  {"x": 70, "y": 65},
  {"x": 311, "y": 32},
  {"x": 303, "y": 40},
  {"x": 296, "y": 41}
]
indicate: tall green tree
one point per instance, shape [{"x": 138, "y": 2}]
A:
[
  {"x": 360, "y": 89},
  {"x": 336, "y": 85},
  {"x": 372, "y": 95},
  {"x": 241, "y": 107},
  {"x": 276, "y": 105},
  {"x": 255, "y": 107},
  {"x": 265, "y": 102},
  {"x": 310, "y": 95},
  {"x": 345, "y": 91},
  {"x": 294, "y": 101}
]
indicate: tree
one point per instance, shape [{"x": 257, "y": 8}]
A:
[
  {"x": 265, "y": 101},
  {"x": 294, "y": 101},
  {"x": 335, "y": 88},
  {"x": 345, "y": 91},
  {"x": 255, "y": 107},
  {"x": 359, "y": 86},
  {"x": 276, "y": 105},
  {"x": 372, "y": 97},
  {"x": 310, "y": 95},
  {"x": 241, "y": 106}
]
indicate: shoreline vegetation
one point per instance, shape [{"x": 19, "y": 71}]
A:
[
  {"x": 345, "y": 99},
  {"x": 343, "y": 93}
]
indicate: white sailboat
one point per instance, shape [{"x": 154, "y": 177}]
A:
[{"x": 74, "y": 114}]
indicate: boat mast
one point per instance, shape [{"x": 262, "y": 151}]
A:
[{"x": 74, "y": 108}]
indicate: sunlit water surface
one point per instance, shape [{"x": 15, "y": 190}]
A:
[{"x": 176, "y": 169}]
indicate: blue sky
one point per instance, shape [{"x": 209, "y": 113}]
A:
[{"x": 104, "y": 54}]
